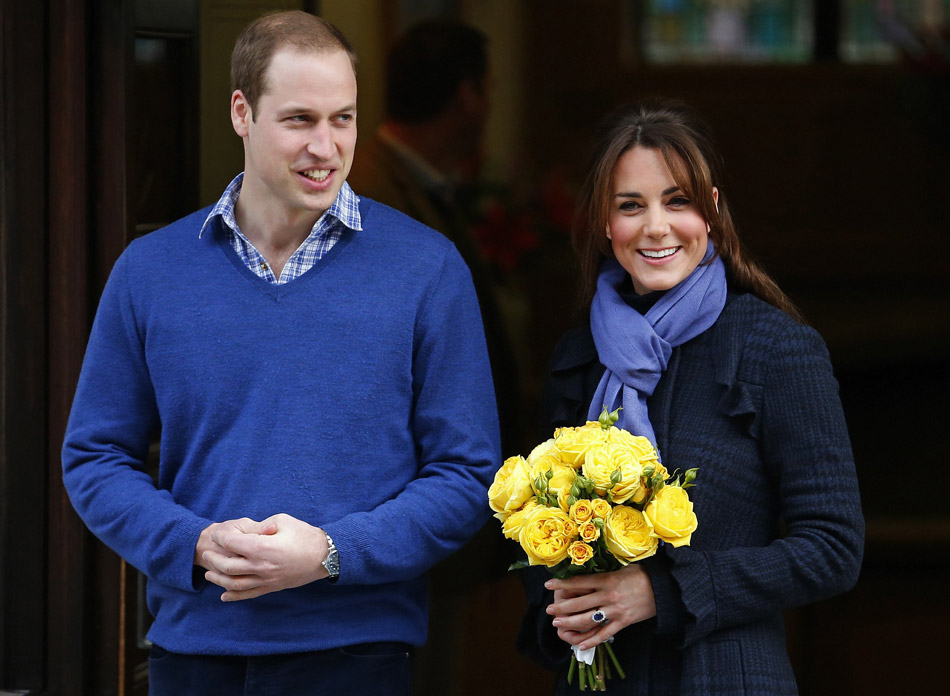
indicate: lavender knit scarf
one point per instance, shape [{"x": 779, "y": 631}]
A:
[{"x": 636, "y": 348}]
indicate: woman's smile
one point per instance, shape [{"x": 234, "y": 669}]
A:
[{"x": 659, "y": 255}]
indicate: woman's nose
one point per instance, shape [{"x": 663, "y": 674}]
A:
[{"x": 656, "y": 223}]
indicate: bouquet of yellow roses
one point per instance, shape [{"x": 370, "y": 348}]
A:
[{"x": 592, "y": 499}]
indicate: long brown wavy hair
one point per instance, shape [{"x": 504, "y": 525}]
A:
[{"x": 686, "y": 145}]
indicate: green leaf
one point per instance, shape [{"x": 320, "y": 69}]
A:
[{"x": 518, "y": 565}]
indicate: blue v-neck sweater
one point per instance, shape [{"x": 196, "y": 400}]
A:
[{"x": 357, "y": 398}]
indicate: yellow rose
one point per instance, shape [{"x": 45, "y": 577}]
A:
[
  {"x": 631, "y": 475},
  {"x": 659, "y": 471},
  {"x": 588, "y": 532},
  {"x": 545, "y": 449},
  {"x": 670, "y": 516},
  {"x": 512, "y": 487},
  {"x": 640, "y": 445},
  {"x": 628, "y": 536},
  {"x": 641, "y": 494},
  {"x": 596, "y": 467},
  {"x": 559, "y": 484},
  {"x": 641, "y": 449},
  {"x": 512, "y": 524},
  {"x": 581, "y": 511},
  {"x": 546, "y": 535},
  {"x": 600, "y": 463},
  {"x": 570, "y": 527},
  {"x": 580, "y": 553},
  {"x": 573, "y": 443},
  {"x": 601, "y": 508}
]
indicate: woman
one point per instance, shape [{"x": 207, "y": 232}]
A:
[{"x": 710, "y": 360}]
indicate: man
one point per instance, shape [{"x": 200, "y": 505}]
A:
[
  {"x": 316, "y": 368},
  {"x": 424, "y": 160}
]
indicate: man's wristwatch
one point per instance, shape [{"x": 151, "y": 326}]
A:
[{"x": 332, "y": 561}]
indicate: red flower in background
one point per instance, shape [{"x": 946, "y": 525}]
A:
[{"x": 510, "y": 226}]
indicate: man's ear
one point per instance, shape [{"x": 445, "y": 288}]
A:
[{"x": 241, "y": 115}]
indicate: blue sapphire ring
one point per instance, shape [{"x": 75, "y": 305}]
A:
[{"x": 599, "y": 616}]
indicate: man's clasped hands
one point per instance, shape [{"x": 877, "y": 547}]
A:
[{"x": 249, "y": 559}]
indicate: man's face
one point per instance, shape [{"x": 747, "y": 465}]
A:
[{"x": 300, "y": 138}]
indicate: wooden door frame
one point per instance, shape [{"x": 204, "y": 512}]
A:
[
  {"x": 23, "y": 344},
  {"x": 64, "y": 220}
]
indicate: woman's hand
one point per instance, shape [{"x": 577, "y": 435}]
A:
[{"x": 625, "y": 596}]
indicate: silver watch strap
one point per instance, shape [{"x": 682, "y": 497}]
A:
[{"x": 332, "y": 561}]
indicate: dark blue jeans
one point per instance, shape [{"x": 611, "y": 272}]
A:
[{"x": 381, "y": 669}]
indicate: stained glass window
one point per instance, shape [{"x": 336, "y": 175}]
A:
[
  {"x": 783, "y": 31},
  {"x": 888, "y": 30},
  {"x": 709, "y": 31}
]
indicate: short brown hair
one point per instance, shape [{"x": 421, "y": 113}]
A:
[
  {"x": 686, "y": 144},
  {"x": 268, "y": 34}
]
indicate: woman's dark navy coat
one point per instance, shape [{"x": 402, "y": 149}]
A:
[{"x": 753, "y": 404}]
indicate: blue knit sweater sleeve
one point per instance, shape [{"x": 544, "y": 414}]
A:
[
  {"x": 455, "y": 427},
  {"x": 792, "y": 408},
  {"x": 113, "y": 417}
]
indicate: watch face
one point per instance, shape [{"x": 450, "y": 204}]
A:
[{"x": 332, "y": 563}]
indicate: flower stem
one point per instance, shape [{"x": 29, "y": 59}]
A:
[
  {"x": 613, "y": 658},
  {"x": 571, "y": 670},
  {"x": 599, "y": 654}
]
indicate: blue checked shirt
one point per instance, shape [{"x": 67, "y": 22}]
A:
[{"x": 344, "y": 213}]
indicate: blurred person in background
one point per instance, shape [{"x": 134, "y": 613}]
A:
[{"x": 425, "y": 160}]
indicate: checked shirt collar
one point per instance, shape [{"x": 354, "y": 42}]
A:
[{"x": 342, "y": 214}]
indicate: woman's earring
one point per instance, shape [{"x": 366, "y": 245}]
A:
[{"x": 608, "y": 232}]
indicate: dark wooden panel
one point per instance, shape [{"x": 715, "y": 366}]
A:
[
  {"x": 23, "y": 341},
  {"x": 69, "y": 592},
  {"x": 113, "y": 82},
  {"x": 164, "y": 144}
]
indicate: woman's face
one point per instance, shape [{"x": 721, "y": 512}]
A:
[{"x": 656, "y": 232}]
